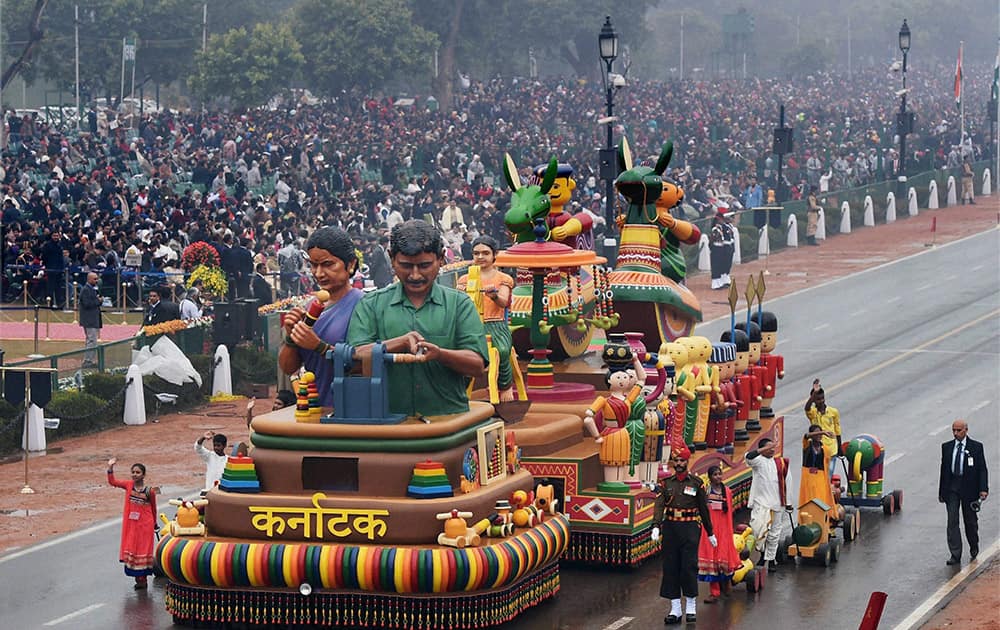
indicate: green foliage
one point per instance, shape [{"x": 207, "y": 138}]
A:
[
  {"x": 106, "y": 386},
  {"x": 202, "y": 363},
  {"x": 80, "y": 413},
  {"x": 248, "y": 67},
  {"x": 354, "y": 43},
  {"x": 253, "y": 365},
  {"x": 189, "y": 395},
  {"x": 7, "y": 410},
  {"x": 804, "y": 60}
]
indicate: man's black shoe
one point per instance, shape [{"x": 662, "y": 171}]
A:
[
  {"x": 772, "y": 566},
  {"x": 690, "y": 618},
  {"x": 973, "y": 552},
  {"x": 671, "y": 620},
  {"x": 953, "y": 561}
]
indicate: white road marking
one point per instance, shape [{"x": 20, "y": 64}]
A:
[
  {"x": 860, "y": 311},
  {"x": 77, "y": 534},
  {"x": 899, "y": 357},
  {"x": 858, "y": 273},
  {"x": 950, "y": 277},
  {"x": 935, "y": 600},
  {"x": 977, "y": 268},
  {"x": 894, "y": 299},
  {"x": 939, "y": 430},
  {"x": 981, "y": 405},
  {"x": 924, "y": 287},
  {"x": 822, "y": 326},
  {"x": 893, "y": 458},
  {"x": 76, "y": 613},
  {"x": 621, "y": 623}
]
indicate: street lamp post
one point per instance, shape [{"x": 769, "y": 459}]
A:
[
  {"x": 904, "y": 121},
  {"x": 608, "y": 44}
]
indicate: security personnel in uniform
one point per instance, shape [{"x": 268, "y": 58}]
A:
[{"x": 682, "y": 510}]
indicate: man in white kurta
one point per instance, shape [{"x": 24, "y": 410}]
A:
[{"x": 767, "y": 499}]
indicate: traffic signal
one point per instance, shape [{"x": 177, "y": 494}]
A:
[{"x": 750, "y": 23}]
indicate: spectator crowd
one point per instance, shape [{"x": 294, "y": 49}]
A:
[{"x": 124, "y": 195}]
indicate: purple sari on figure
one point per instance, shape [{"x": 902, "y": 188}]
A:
[{"x": 331, "y": 327}]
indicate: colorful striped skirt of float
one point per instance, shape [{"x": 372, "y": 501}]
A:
[{"x": 262, "y": 583}]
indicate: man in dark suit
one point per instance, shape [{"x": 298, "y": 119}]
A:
[
  {"x": 160, "y": 310},
  {"x": 90, "y": 318},
  {"x": 260, "y": 287},
  {"x": 964, "y": 480},
  {"x": 379, "y": 266},
  {"x": 244, "y": 268}
]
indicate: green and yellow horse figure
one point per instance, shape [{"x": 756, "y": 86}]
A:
[{"x": 556, "y": 287}]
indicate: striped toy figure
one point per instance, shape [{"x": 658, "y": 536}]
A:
[{"x": 703, "y": 381}]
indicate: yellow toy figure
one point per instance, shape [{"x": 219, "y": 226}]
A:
[
  {"x": 684, "y": 395},
  {"x": 574, "y": 231},
  {"x": 490, "y": 290},
  {"x": 621, "y": 414},
  {"x": 704, "y": 382}
]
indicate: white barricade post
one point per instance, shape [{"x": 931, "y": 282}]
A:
[
  {"x": 704, "y": 255},
  {"x": 135, "y": 402},
  {"x": 952, "y": 193},
  {"x": 821, "y": 225},
  {"x": 793, "y": 231},
  {"x": 845, "y": 218},
  {"x": 932, "y": 196},
  {"x": 34, "y": 430},
  {"x": 737, "y": 257},
  {"x": 987, "y": 182},
  {"x": 222, "y": 375},
  {"x": 763, "y": 242},
  {"x": 890, "y": 208},
  {"x": 911, "y": 201},
  {"x": 869, "y": 211}
]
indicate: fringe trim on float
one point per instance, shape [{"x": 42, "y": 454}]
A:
[
  {"x": 614, "y": 549},
  {"x": 337, "y": 609}
]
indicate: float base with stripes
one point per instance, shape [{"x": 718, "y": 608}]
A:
[{"x": 215, "y": 607}]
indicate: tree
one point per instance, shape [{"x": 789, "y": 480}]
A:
[
  {"x": 360, "y": 43},
  {"x": 248, "y": 67},
  {"x": 35, "y": 35}
]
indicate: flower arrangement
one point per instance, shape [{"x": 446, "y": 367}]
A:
[
  {"x": 285, "y": 304},
  {"x": 213, "y": 279},
  {"x": 162, "y": 328},
  {"x": 199, "y": 253}
]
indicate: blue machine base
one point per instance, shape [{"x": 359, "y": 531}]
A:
[{"x": 393, "y": 419}]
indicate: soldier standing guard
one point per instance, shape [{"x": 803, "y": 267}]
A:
[{"x": 682, "y": 510}]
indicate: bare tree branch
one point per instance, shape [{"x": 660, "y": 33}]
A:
[{"x": 35, "y": 35}]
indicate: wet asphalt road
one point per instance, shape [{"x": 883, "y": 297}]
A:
[{"x": 901, "y": 350}]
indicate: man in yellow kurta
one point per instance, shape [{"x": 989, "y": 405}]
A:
[{"x": 828, "y": 419}]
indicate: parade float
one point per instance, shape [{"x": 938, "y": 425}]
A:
[
  {"x": 364, "y": 518},
  {"x": 603, "y": 474}
]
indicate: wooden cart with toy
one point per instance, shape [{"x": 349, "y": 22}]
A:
[{"x": 864, "y": 469}]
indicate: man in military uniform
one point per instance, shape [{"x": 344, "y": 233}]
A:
[{"x": 682, "y": 510}]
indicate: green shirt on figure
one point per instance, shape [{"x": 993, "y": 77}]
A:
[{"x": 447, "y": 318}]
